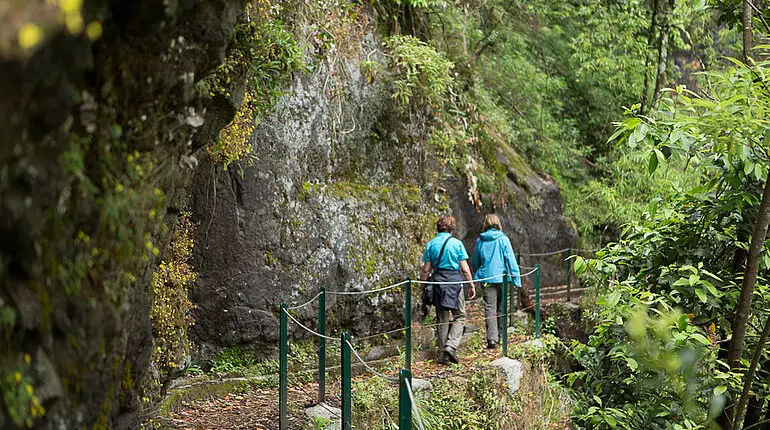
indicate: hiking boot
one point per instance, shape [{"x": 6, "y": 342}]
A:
[
  {"x": 491, "y": 344},
  {"x": 443, "y": 360},
  {"x": 452, "y": 355}
]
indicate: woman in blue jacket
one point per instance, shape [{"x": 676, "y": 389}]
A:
[{"x": 493, "y": 256}]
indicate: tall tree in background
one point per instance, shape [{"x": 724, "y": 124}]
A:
[
  {"x": 650, "y": 40},
  {"x": 748, "y": 41}
]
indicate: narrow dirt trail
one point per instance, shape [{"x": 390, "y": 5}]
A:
[{"x": 258, "y": 409}]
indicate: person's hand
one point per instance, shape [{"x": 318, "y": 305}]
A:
[{"x": 472, "y": 292}]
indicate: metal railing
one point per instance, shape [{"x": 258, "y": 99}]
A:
[{"x": 406, "y": 397}]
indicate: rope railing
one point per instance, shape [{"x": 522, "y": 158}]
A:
[
  {"x": 356, "y": 293},
  {"x": 368, "y": 367},
  {"x": 407, "y": 405},
  {"x": 544, "y": 254},
  {"x": 309, "y": 330},
  {"x": 408, "y": 385},
  {"x": 306, "y": 303}
]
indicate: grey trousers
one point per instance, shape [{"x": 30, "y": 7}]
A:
[
  {"x": 449, "y": 335},
  {"x": 493, "y": 303}
]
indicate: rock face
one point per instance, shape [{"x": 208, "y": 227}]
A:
[
  {"x": 91, "y": 131},
  {"x": 319, "y": 207},
  {"x": 337, "y": 198}
]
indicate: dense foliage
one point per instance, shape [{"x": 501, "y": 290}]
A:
[
  {"x": 170, "y": 310},
  {"x": 657, "y": 358}
]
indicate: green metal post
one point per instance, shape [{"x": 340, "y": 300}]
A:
[
  {"x": 283, "y": 370},
  {"x": 512, "y": 292},
  {"x": 408, "y": 324},
  {"x": 322, "y": 346},
  {"x": 537, "y": 301},
  {"x": 569, "y": 271},
  {"x": 504, "y": 316},
  {"x": 347, "y": 410},
  {"x": 513, "y": 289},
  {"x": 518, "y": 293},
  {"x": 404, "y": 403}
]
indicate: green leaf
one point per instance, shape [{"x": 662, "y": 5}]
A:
[
  {"x": 579, "y": 265},
  {"x": 620, "y": 130},
  {"x": 719, "y": 390},
  {"x": 653, "y": 164},
  {"x": 611, "y": 421},
  {"x": 613, "y": 299},
  {"x": 701, "y": 294},
  {"x": 701, "y": 338},
  {"x": 632, "y": 364}
]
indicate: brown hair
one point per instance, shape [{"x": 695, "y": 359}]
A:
[
  {"x": 492, "y": 221},
  {"x": 445, "y": 223}
]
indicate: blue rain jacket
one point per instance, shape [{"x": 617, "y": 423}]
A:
[{"x": 493, "y": 255}]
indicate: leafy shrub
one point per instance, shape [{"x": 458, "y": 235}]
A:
[
  {"x": 233, "y": 142},
  {"x": 263, "y": 54},
  {"x": 420, "y": 73},
  {"x": 170, "y": 309},
  {"x": 19, "y": 399}
]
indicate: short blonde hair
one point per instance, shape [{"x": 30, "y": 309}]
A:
[{"x": 492, "y": 221}]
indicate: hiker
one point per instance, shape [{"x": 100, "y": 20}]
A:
[
  {"x": 493, "y": 256},
  {"x": 446, "y": 260}
]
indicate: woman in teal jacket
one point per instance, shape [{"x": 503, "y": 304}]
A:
[{"x": 493, "y": 256}]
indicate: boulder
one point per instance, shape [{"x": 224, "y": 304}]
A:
[
  {"x": 513, "y": 370},
  {"x": 325, "y": 414}
]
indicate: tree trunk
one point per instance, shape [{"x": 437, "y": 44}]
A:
[
  {"x": 748, "y": 41},
  {"x": 648, "y": 60},
  {"x": 749, "y": 378},
  {"x": 754, "y": 411},
  {"x": 662, "y": 60},
  {"x": 749, "y": 280},
  {"x": 740, "y": 320}
]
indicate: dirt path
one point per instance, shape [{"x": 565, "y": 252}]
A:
[{"x": 258, "y": 409}]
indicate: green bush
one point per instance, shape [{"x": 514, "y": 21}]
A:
[
  {"x": 171, "y": 306},
  {"x": 420, "y": 74}
]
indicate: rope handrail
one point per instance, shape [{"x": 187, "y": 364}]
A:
[
  {"x": 359, "y": 339},
  {"x": 369, "y": 368},
  {"x": 308, "y": 329},
  {"x": 414, "y": 404},
  {"x": 544, "y": 254},
  {"x": 456, "y": 282},
  {"x": 354, "y": 293},
  {"x": 306, "y": 303}
]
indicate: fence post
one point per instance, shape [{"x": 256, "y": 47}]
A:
[
  {"x": 537, "y": 301},
  {"x": 569, "y": 271},
  {"x": 404, "y": 403},
  {"x": 322, "y": 346},
  {"x": 408, "y": 324},
  {"x": 283, "y": 370},
  {"x": 347, "y": 410},
  {"x": 504, "y": 316},
  {"x": 518, "y": 293}
]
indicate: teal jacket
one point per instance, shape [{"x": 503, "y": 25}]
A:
[{"x": 493, "y": 255}]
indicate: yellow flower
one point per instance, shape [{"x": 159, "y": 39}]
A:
[
  {"x": 30, "y": 35},
  {"x": 17, "y": 375},
  {"x": 94, "y": 30},
  {"x": 70, "y": 6},
  {"x": 27, "y": 359},
  {"x": 74, "y": 23}
]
